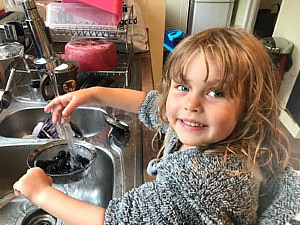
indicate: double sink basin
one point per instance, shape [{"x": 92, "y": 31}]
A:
[{"x": 89, "y": 123}]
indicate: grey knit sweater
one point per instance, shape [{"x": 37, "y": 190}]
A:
[{"x": 191, "y": 187}]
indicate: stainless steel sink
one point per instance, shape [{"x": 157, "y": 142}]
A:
[
  {"x": 13, "y": 164},
  {"x": 105, "y": 181},
  {"x": 117, "y": 167},
  {"x": 102, "y": 183},
  {"x": 86, "y": 121}
]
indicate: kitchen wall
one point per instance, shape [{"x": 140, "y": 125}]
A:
[
  {"x": 1, "y": 4},
  {"x": 287, "y": 27},
  {"x": 154, "y": 17}
]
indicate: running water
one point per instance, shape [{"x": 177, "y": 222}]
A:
[
  {"x": 64, "y": 130},
  {"x": 85, "y": 189}
]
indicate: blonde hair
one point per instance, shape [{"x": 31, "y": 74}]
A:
[{"x": 245, "y": 64}]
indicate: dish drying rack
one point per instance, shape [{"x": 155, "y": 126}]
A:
[{"x": 119, "y": 75}]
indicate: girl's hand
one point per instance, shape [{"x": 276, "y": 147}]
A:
[
  {"x": 63, "y": 106},
  {"x": 32, "y": 184}
]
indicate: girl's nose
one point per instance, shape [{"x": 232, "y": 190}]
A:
[{"x": 194, "y": 103}]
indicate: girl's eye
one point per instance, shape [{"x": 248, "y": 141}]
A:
[
  {"x": 216, "y": 94},
  {"x": 182, "y": 88}
]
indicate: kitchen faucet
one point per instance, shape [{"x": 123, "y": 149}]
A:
[{"x": 45, "y": 61}]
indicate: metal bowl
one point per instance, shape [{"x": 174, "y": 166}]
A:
[{"x": 51, "y": 149}]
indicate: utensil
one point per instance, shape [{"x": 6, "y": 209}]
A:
[
  {"x": 10, "y": 54},
  {"x": 115, "y": 122},
  {"x": 6, "y": 199}
]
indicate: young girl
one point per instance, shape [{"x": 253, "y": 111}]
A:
[{"x": 219, "y": 112}]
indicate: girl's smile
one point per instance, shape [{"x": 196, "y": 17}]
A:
[
  {"x": 192, "y": 124},
  {"x": 199, "y": 111}
]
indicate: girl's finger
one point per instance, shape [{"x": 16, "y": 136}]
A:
[
  {"x": 50, "y": 179},
  {"x": 70, "y": 107},
  {"x": 17, "y": 193},
  {"x": 63, "y": 119},
  {"x": 52, "y": 105},
  {"x": 56, "y": 113},
  {"x": 34, "y": 169},
  {"x": 16, "y": 186}
]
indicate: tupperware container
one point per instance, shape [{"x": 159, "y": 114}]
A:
[
  {"x": 78, "y": 15},
  {"x": 112, "y": 6}
]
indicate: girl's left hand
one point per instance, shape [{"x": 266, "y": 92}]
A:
[{"x": 32, "y": 184}]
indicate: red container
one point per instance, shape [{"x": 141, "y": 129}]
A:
[{"x": 92, "y": 54}]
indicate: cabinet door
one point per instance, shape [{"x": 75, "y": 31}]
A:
[{"x": 177, "y": 14}]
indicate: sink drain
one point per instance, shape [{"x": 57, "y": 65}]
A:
[{"x": 39, "y": 217}]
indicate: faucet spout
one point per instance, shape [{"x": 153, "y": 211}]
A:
[{"x": 41, "y": 39}]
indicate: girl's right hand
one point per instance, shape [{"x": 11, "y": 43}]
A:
[
  {"x": 32, "y": 184},
  {"x": 62, "y": 106}
]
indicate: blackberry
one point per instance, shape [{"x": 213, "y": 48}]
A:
[{"x": 61, "y": 163}]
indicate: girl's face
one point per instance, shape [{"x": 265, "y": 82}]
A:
[{"x": 198, "y": 110}]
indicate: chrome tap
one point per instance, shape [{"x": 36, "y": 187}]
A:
[{"x": 46, "y": 59}]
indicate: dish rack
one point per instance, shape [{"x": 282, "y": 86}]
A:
[{"x": 117, "y": 34}]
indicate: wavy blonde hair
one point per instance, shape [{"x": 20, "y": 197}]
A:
[{"x": 245, "y": 64}]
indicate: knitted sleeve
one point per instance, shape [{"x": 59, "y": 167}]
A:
[
  {"x": 286, "y": 203},
  {"x": 143, "y": 205},
  {"x": 148, "y": 113},
  {"x": 184, "y": 194}
]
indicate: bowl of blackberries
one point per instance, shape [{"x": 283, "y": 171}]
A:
[{"x": 61, "y": 163}]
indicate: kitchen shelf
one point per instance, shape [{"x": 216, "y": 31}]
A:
[
  {"x": 117, "y": 34},
  {"x": 118, "y": 76},
  {"x": 105, "y": 32},
  {"x": 108, "y": 32}
]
